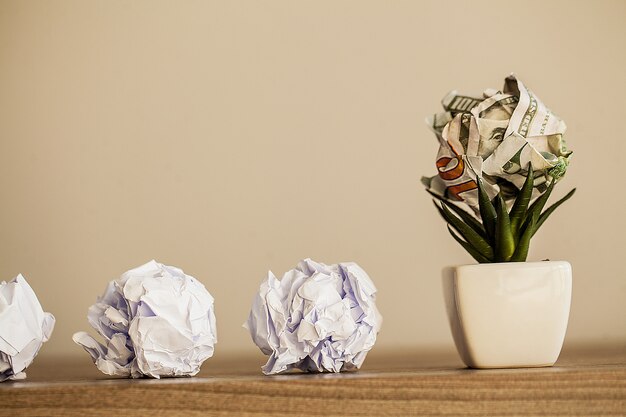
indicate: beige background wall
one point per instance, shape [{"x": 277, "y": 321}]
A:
[{"x": 229, "y": 138}]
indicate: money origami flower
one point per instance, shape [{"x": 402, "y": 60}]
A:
[
  {"x": 24, "y": 327},
  {"x": 317, "y": 318},
  {"x": 496, "y": 137},
  {"x": 156, "y": 322}
]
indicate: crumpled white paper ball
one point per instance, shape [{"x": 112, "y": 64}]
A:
[
  {"x": 24, "y": 327},
  {"x": 317, "y": 318},
  {"x": 156, "y": 322}
]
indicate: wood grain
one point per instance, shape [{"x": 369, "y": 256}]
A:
[{"x": 401, "y": 383}]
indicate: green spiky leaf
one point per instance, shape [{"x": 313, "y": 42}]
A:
[
  {"x": 505, "y": 243},
  {"x": 487, "y": 211},
  {"x": 473, "y": 238},
  {"x": 469, "y": 248},
  {"x": 521, "y": 204},
  {"x": 528, "y": 229},
  {"x": 544, "y": 216},
  {"x": 538, "y": 205},
  {"x": 502, "y": 236},
  {"x": 467, "y": 218}
]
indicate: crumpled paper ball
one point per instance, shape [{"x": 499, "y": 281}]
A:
[
  {"x": 155, "y": 320},
  {"x": 24, "y": 327},
  {"x": 317, "y": 318}
]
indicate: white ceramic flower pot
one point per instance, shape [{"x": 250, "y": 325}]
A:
[{"x": 508, "y": 315}]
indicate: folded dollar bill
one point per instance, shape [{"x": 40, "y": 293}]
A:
[{"x": 496, "y": 137}]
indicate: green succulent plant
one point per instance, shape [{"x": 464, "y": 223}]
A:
[{"x": 500, "y": 235}]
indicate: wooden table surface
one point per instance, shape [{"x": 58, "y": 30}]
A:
[{"x": 585, "y": 382}]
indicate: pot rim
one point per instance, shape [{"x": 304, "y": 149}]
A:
[{"x": 511, "y": 265}]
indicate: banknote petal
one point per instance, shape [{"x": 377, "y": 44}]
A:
[{"x": 496, "y": 138}]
